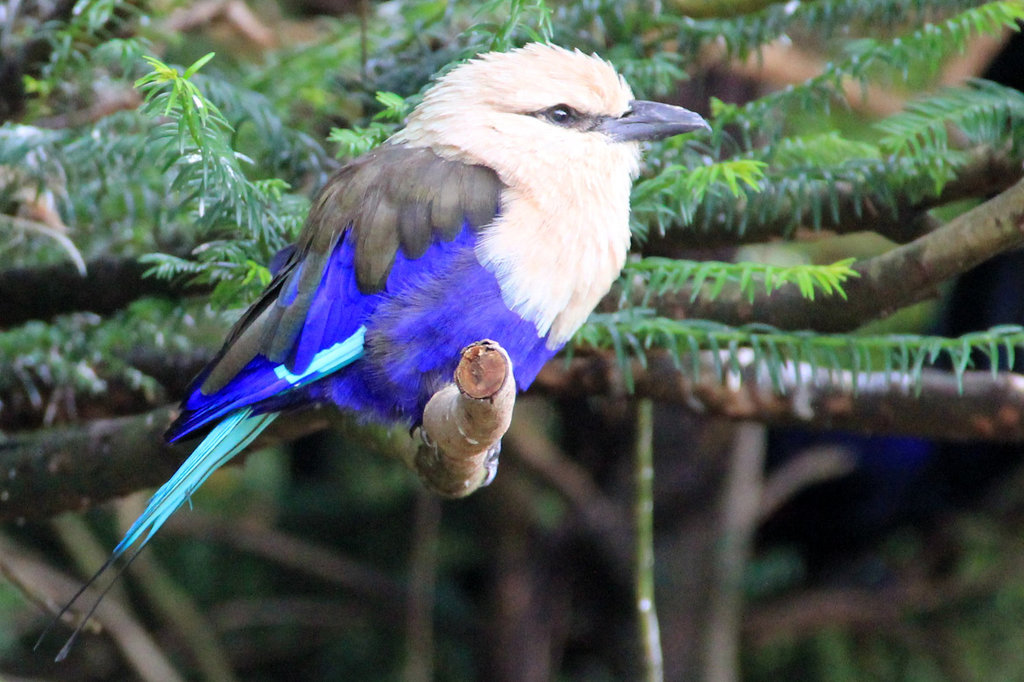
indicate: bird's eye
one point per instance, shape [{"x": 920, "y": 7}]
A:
[{"x": 561, "y": 114}]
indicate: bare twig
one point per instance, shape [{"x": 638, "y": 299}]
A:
[
  {"x": 419, "y": 662},
  {"x": 869, "y": 609},
  {"x": 108, "y": 102},
  {"x": 809, "y": 467},
  {"x": 50, "y": 232},
  {"x": 739, "y": 516},
  {"x": 291, "y": 552},
  {"x": 606, "y": 521},
  {"x": 643, "y": 516},
  {"x": 176, "y": 606},
  {"x": 235, "y": 13}
]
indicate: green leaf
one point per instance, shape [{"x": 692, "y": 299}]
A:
[
  {"x": 197, "y": 64},
  {"x": 660, "y": 276}
]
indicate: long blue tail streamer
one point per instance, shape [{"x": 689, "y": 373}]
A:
[
  {"x": 232, "y": 435},
  {"x": 226, "y": 440}
]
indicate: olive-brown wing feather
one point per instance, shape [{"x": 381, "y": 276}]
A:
[{"x": 394, "y": 197}]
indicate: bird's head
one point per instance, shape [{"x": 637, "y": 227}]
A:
[{"x": 532, "y": 111}]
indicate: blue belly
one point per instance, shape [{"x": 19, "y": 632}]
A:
[{"x": 420, "y": 326}]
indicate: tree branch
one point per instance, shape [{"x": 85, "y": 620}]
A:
[
  {"x": 29, "y": 61},
  {"x": 109, "y": 284},
  {"x": 41, "y": 584},
  {"x": 870, "y": 609},
  {"x": 905, "y": 275},
  {"x": 989, "y": 408},
  {"x": 75, "y": 467},
  {"x": 463, "y": 423},
  {"x": 108, "y": 102}
]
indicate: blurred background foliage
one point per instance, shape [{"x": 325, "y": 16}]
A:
[{"x": 142, "y": 200}]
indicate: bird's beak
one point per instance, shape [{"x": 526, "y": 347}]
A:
[{"x": 648, "y": 121}]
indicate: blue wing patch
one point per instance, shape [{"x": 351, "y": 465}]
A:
[
  {"x": 326, "y": 361},
  {"x": 331, "y": 337}
]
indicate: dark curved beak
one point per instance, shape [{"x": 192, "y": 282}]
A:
[{"x": 648, "y": 121}]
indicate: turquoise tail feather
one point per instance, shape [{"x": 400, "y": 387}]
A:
[
  {"x": 226, "y": 440},
  {"x": 233, "y": 434}
]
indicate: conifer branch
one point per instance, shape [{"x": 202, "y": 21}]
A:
[
  {"x": 905, "y": 275},
  {"x": 110, "y": 284},
  {"x": 79, "y": 466},
  {"x": 985, "y": 172}
]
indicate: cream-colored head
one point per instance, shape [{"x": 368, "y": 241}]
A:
[
  {"x": 497, "y": 109},
  {"x": 560, "y": 128}
]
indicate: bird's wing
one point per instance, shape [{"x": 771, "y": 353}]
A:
[{"x": 392, "y": 199}]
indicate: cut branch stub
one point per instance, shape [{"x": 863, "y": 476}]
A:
[
  {"x": 483, "y": 370},
  {"x": 464, "y": 421}
]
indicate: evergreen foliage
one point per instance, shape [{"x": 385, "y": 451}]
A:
[
  {"x": 210, "y": 172},
  {"x": 200, "y": 174}
]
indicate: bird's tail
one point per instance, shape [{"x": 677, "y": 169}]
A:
[{"x": 228, "y": 438}]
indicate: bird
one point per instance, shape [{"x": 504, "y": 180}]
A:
[{"x": 499, "y": 211}]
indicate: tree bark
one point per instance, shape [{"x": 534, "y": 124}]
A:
[
  {"x": 78, "y": 466},
  {"x": 108, "y": 285},
  {"x": 988, "y": 408}
]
